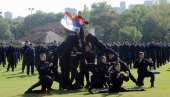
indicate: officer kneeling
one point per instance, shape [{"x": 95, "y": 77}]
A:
[
  {"x": 116, "y": 79},
  {"x": 44, "y": 77},
  {"x": 142, "y": 65}
]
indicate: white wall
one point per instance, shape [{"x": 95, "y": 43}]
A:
[{"x": 51, "y": 36}]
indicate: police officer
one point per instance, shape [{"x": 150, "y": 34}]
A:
[
  {"x": 30, "y": 55},
  {"x": 89, "y": 57},
  {"x": 45, "y": 79},
  {"x": 24, "y": 56},
  {"x": 11, "y": 57},
  {"x": 64, "y": 52},
  {"x": 74, "y": 63},
  {"x": 142, "y": 65},
  {"x": 112, "y": 58},
  {"x": 117, "y": 78},
  {"x": 80, "y": 15},
  {"x": 95, "y": 43}
]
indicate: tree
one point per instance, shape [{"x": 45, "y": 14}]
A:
[
  {"x": 59, "y": 16},
  {"x": 104, "y": 19},
  {"x": 5, "y": 32},
  {"x": 86, "y": 15},
  {"x": 37, "y": 20},
  {"x": 152, "y": 22},
  {"x": 131, "y": 33}
]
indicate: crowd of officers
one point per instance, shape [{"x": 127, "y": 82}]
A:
[
  {"x": 128, "y": 51},
  {"x": 76, "y": 60},
  {"x": 83, "y": 57}
]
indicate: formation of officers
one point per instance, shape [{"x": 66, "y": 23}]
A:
[
  {"x": 76, "y": 60},
  {"x": 82, "y": 53}
]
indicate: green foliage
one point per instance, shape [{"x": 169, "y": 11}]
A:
[
  {"x": 86, "y": 15},
  {"x": 151, "y": 22},
  {"x": 20, "y": 29},
  {"x": 104, "y": 18},
  {"x": 5, "y": 32},
  {"x": 131, "y": 33}
]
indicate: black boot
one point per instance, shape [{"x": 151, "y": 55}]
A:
[
  {"x": 28, "y": 91},
  {"x": 152, "y": 84}
]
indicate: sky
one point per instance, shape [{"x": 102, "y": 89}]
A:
[{"x": 20, "y": 7}]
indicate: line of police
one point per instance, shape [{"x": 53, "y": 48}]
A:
[
  {"x": 82, "y": 53},
  {"x": 73, "y": 55},
  {"x": 157, "y": 50}
]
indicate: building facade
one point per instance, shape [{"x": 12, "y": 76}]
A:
[{"x": 8, "y": 15}]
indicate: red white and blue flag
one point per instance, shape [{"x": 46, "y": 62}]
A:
[{"x": 70, "y": 21}]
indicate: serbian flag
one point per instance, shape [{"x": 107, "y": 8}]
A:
[{"x": 70, "y": 21}]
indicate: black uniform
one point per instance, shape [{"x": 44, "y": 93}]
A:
[
  {"x": 89, "y": 66},
  {"x": 74, "y": 63},
  {"x": 30, "y": 56},
  {"x": 64, "y": 53},
  {"x": 24, "y": 57},
  {"x": 82, "y": 30},
  {"x": 3, "y": 51},
  {"x": 143, "y": 71},
  {"x": 44, "y": 78},
  {"x": 11, "y": 57},
  {"x": 117, "y": 82}
]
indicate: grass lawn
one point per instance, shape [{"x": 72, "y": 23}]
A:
[{"x": 14, "y": 84}]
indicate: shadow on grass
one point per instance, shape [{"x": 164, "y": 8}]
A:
[
  {"x": 82, "y": 91},
  {"x": 140, "y": 88},
  {"x": 21, "y": 76},
  {"x": 63, "y": 92},
  {"x": 113, "y": 94},
  {"x": 31, "y": 95},
  {"x": 105, "y": 94},
  {"x": 12, "y": 74},
  {"x": 168, "y": 69},
  {"x": 54, "y": 92}
]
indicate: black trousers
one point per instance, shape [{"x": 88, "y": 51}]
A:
[
  {"x": 141, "y": 77},
  {"x": 10, "y": 64},
  {"x": 30, "y": 65},
  {"x": 54, "y": 68},
  {"x": 74, "y": 72},
  {"x": 23, "y": 63},
  {"x": 4, "y": 60},
  {"x": 132, "y": 77},
  {"x": 84, "y": 72},
  {"x": 65, "y": 67},
  {"x": 46, "y": 83}
]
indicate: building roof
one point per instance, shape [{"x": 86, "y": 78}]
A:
[
  {"x": 34, "y": 37},
  {"x": 39, "y": 32},
  {"x": 55, "y": 27}
]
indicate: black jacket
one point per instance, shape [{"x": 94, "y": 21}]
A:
[
  {"x": 43, "y": 69},
  {"x": 67, "y": 46},
  {"x": 142, "y": 66},
  {"x": 95, "y": 43}
]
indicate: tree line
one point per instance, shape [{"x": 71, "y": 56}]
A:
[{"x": 141, "y": 23}]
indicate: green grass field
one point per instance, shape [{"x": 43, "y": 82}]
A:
[{"x": 14, "y": 84}]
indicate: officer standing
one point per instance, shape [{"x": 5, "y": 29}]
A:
[
  {"x": 64, "y": 53},
  {"x": 11, "y": 57},
  {"x": 80, "y": 15},
  {"x": 30, "y": 55},
  {"x": 24, "y": 56}
]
